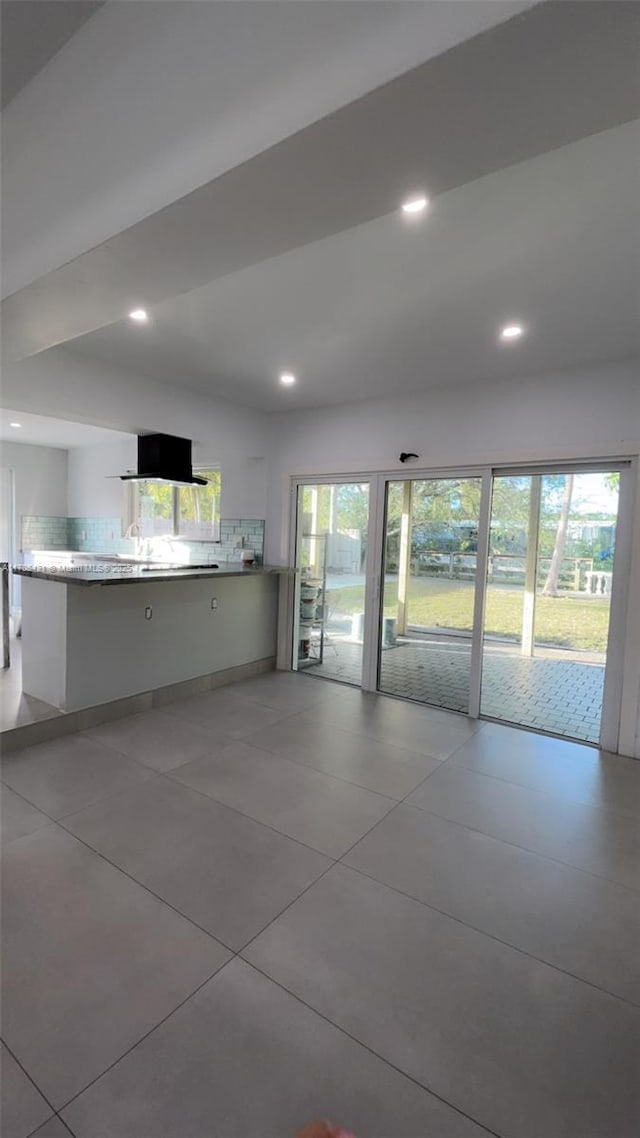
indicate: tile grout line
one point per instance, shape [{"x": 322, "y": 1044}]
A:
[
  {"x": 5, "y": 786},
  {"x": 286, "y": 908},
  {"x": 320, "y": 770},
  {"x": 271, "y": 706},
  {"x": 419, "y": 707},
  {"x": 169, "y": 774},
  {"x": 294, "y": 762},
  {"x": 388, "y": 742},
  {"x": 481, "y": 721},
  {"x": 516, "y": 846},
  {"x": 546, "y": 793},
  {"x": 491, "y": 936},
  {"x": 334, "y": 862},
  {"x": 15, "y": 761},
  {"x": 29, "y": 1077},
  {"x": 67, "y": 1128},
  {"x": 112, "y": 746},
  {"x": 29, "y": 803},
  {"x": 146, "y": 888},
  {"x": 214, "y": 691},
  {"x": 146, "y": 1035},
  {"x": 369, "y": 1049},
  {"x": 285, "y": 716},
  {"x": 397, "y": 802},
  {"x": 515, "y": 723},
  {"x": 235, "y": 954},
  {"x": 104, "y": 798},
  {"x": 240, "y": 814},
  {"x": 403, "y": 700}
]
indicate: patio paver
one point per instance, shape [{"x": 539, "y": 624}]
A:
[{"x": 560, "y": 696}]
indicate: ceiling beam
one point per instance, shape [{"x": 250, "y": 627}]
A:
[{"x": 554, "y": 74}]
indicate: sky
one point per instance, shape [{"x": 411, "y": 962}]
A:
[{"x": 591, "y": 494}]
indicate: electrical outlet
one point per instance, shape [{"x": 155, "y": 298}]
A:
[
  {"x": 148, "y": 612},
  {"x": 214, "y": 603}
]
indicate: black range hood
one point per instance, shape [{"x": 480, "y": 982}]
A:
[{"x": 164, "y": 458}]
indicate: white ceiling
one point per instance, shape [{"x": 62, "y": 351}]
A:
[
  {"x": 401, "y": 305},
  {"x": 298, "y": 257},
  {"x": 155, "y": 98},
  {"x": 40, "y": 430},
  {"x": 469, "y": 112},
  {"x": 32, "y": 32}
]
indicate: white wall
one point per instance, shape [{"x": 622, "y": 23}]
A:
[
  {"x": 579, "y": 414},
  {"x": 65, "y": 385},
  {"x": 94, "y": 488},
  {"x": 40, "y": 478},
  {"x": 40, "y": 487}
]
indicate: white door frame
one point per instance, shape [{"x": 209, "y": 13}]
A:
[
  {"x": 377, "y": 480},
  {"x": 287, "y": 629}
]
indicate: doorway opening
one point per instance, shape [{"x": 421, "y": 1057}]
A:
[
  {"x": 552, "y": 540},
  {"x": 486, "y": 592},
  {"x": 331, "y": 553},
  {"x": 431, "y": 542}
]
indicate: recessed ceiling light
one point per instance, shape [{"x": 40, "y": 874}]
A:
[
  {"x": 139, "y": 315},
  {"x": 511, "y": 332},
  {"x": 15, "y": 424},
  {"x": 287, "y": 379},
  {"x": 415, "y": 205}
]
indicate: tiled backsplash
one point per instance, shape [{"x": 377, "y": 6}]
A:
[
  {"x": 232, "y": 531},
  {"x": 44, "y": 533},
  {"x": 98, "y": 535},
  {"x": 103, "y": 535}
]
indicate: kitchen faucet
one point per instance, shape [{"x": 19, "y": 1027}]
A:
[{"x": 133, "y": 532}]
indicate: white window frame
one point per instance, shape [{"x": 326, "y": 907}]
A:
[{"x": 130, "y": 517}]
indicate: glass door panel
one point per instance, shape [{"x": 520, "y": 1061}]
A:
[
  {"x": 431, "y": 541},
  {"x": 331, "y": 552},
  {"x": 546, "y": 619}
]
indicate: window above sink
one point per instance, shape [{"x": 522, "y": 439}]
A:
[{"x": 155, "y": 509}]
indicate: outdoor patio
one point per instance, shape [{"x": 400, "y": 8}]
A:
[{"x": 562, "y": 696}]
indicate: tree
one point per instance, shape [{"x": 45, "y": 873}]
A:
[
  {"x": 612, "y": 480},
  {"x": 551, "y": 584},
  {"x": 352, "y": 507}
]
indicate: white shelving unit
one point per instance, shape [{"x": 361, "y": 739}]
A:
[{"x": 311, "y": 606}]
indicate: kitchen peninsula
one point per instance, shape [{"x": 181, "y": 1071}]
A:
[{"x": 92, "y": 634}]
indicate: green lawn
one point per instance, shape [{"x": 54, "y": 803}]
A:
[{"x": 567, "y": 622}]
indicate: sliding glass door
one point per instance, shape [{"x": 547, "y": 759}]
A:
[
  {"x": 331, "y": 554},
  {"x": 490, "y": 593},
  {"x": 496, "y": 596},
  {"x": 552, "y": 541},
  {"x": 430, "y": 555}
]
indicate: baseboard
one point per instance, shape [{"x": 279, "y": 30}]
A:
[{"x": 69, "y": 723}]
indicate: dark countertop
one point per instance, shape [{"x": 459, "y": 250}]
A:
[{"x": 131, "y": 574}]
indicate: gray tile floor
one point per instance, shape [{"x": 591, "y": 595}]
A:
[
  {"x": 16, "y": 708},
  {"x": 289, "y": 900},
  {"x": 562, "y": 696}
]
